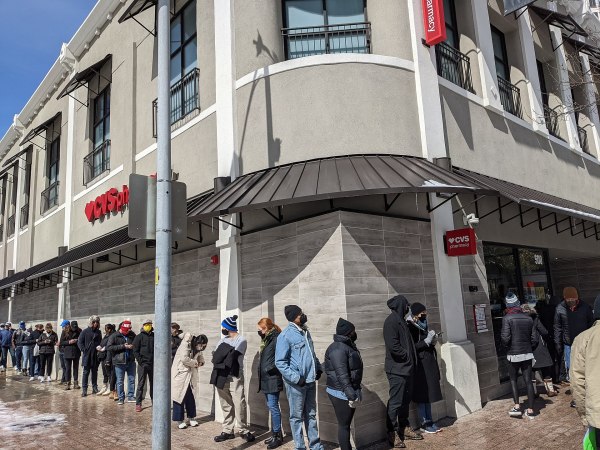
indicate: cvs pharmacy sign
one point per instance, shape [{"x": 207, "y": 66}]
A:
[
  {"x": 111, "y": 201},
  {"x": 434, "y": 23},
  {"x": 460, "y": 242}
]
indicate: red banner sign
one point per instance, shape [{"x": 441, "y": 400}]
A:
[
  {"x": 433, "y": 21},
  {"x": 111, "y": 201},
  {"x": 461, "y": 242}
]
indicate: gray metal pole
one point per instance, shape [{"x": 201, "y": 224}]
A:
[{"x": 161, "y": 405}]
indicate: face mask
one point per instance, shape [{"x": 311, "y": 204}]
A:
[
  {"x": 225, "y": 332},
  {"x": 303, "y": 319},
  {"x": 354, "y": 336},
  {"x": 147, "y": 328},
  {"x": 124, "y": 331},
  {"x": 423, "y": 317},
  {"x": 261, "y": 334}
]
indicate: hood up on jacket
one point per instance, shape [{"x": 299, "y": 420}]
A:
[{"x": 399, "y": 304}]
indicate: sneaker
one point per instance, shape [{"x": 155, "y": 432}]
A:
[
  {"x": 435, "y": 427},
  {"x": 514, "y": 412},
  {"x": 529, "y": 415},
  {"x": 412, "y": 435},
  {"x": 84, "y": 393},
  {"x": 48, "y": 379},
  {"x": 193, "y": 423},
  {"x": 224, "y": 437},
  {"x": 131, "y": 400},
  {"x": 183, "y": 426},
  {"x": 573, "y": 404},
  {"x": 120, "y": 402},
  {"x": 31, "y": 378},
  {"x": 138, "y": 408},
  {"x": 41, "y": 379},
  {"x": 249, "y": 437},
  {"x": 428, "y": 429}
]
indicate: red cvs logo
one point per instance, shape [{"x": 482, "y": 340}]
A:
[
  {"x": 461, "y": 242},
  {"x": 111, "y": 201}
]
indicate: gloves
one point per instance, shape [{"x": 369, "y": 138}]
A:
[
  {"x": 430, "y": 336},
  {"x": 273, "y": 371},
  {"x": 319, "y": 373},
  {"x": 302, "y": 382}
]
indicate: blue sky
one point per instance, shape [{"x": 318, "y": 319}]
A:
[{"x": 31, "y": 34}]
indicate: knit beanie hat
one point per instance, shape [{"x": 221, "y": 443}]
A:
[
  {"x": 125, "y": 326},
  {"x": 230, "y": 323},
  {"x": 417, "y": 308},
  {"x": 22, "y": 325},
  {"x": 74, "y": 324},
  {"x": 344, "y": 328},
  {"x": 291, "y": 312},
  {"x": 512, "y": 300},
  {"x": 570, "y": 292},
  {"x": 94, "y": 319},
  {"x": 597, "y": 308}
]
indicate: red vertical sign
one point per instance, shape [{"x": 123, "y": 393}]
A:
[{"x": 433, "y": 21}]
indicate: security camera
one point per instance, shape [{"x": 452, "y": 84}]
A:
[{"x": 471, "y": 220}]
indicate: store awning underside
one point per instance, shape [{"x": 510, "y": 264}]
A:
[
  {"x": 13, "y": 159},
  {"x": 566, "y": 22},
  {"x": 136, "y": 7},
  {"x": 37, "y": 131},
  {"x": 584, "y": 47},
  {"x": 82, "y": 78},
  {"x": 332, "y": 178},
  {"x": 531, "y": 198},
  {"x": 20, "y": 277}
]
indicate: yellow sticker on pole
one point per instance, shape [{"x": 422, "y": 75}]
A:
[{"x": 156, "y": 276}]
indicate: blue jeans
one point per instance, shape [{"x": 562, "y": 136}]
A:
[
  {"x": 273, "y": 405},
  {"x": 26, "y": 351},
  {"x": 120, "y": 370},
  {"x": 567, "y": 359},
  {"x": 34, "y": 364},
  {"x": 5, "y": 352},
  {"x": 303, "y": 410},
  {"x": 19, "y": 357},
  {"x": 424, "y": 411}
]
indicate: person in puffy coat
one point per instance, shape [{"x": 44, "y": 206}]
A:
[
  {"x": 344, "y": 368},
  {"x": 120, "y": 346},
  {"x": 520, "y": 339},
  {"x": 71, "y": 354},
  {"x": 269, "y": 378},
  {"x": 143, "y": 351},
  {"x": 109, "y": 378},
  {"x": 46, "y": 343},
  {"x": 543, "y": 362}
]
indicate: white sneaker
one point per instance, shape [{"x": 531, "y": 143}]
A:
[
  {"x": 41, "y": 379},
  {"x": 48, "y": 379},
  {"x": 32, "y": 378},
  {"x": 182, "y": 426},
  {"x": 193, "y": 423}
]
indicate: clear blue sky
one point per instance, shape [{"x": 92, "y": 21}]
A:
[{"x": 31, "y": 33}]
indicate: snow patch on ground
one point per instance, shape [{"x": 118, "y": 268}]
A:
[{"x": 12, "y": 421}]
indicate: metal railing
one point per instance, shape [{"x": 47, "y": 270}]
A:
[
  {"x": 49, "y": 197},
  {"x": 551, "y": 119},
  {"x": 327, "y": 39},
  {"x": 10, "y": 225},
  {"x": 510, "y": 97},
  {"x": 454, "y": 66},
  {"x": 185, "y": 98},
  {"x": 583, "y": 139},
  {"x": 24, "y": 221},
  {"x": 97, "y": 162}
]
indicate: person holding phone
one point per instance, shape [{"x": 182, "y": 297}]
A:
[
  {"x": 426, "y": 389},
  {"x": 120, "y": 346}
]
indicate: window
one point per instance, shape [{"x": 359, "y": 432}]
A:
[
  {"x": 452, "y": 36},
  {"x": 50, "y": 194},
  {"x": 24, "y": 221},
  {"x": 510, "y": 95},
  {"x": 2, "y": 205},
  {"x": 500, "y": 58},
  {"x": 98, "y": 161},
  {"x": 316, "y": 27},
  {"x": 11, "y": 222}
]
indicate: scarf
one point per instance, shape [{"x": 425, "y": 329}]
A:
[
  {"x": 514, "y": 310},
  {"x": 263, "y": 343}
]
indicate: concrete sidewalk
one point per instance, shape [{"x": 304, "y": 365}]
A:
[{"x": 35, "y": 415}]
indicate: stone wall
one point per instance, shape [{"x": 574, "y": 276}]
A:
[
  {"x": 3, "y": 310},
  {"x": 39, "y": 306},
  {"x": 584, "y": 274}
]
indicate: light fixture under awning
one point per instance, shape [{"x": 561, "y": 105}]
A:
[{"x": 83, "y": 78}]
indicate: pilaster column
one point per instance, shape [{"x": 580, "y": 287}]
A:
[
  {"x": 590, "y": 101},
  {"x": 63, "y": 311},
  {"x": 10, "y": 303}
]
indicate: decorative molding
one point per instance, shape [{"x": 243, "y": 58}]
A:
[{"x": 66, "y": 58}]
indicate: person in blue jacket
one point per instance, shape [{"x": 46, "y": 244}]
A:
[
  {"x": 300, "y": 368},
  {"x": 6, "y": 334}
]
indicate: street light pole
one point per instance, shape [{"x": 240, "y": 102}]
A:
[{"x": 161, "y": 405}]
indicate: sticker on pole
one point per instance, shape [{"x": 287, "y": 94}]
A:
[{"x": 156, "y": 276}]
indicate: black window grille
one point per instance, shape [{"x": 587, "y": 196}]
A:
[
  {"x": 583, "y": 139},
  {"x": 185, "y": 98},
  {"x": 510, "y": 97},
  {"x": 454, "y": 66},
  {"x": 49, "y": 197},
  {"x": 97, "y": 162},
  {"x": 551, "y": 119},
  {"x": 24, "y": 220},
  {"x": 10, "y": 226}
]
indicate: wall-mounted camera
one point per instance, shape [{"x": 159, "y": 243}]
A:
[{"x": 470, "y": 220}]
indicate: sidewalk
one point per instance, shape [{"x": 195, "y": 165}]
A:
[{"x": 54, "y": 419}]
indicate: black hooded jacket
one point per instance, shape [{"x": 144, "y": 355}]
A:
[
  {"x": 143, "y": 348},
  {"x": 569, "y": 324},
  {"x": 343, "y": 366},
  {"x": 400, "y": 353}
]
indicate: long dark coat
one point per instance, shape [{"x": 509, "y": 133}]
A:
[
  {"x": 269, "y": 378},
  {"x": 541, "y": 354},
  {"x": 426, "y": 387}
]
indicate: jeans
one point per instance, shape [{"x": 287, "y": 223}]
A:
[
  {"x": 26, "y": 350},
  {"x": 567, "y": 360},
  {"x": 120, "y": 370},
  {"x": 188, "y": 405},
  {"x": 273, "y": 405},
  {"x": 144, "y": 372},
  {"x": 513, "y": 373},
  {"x": 46, "y": 362},
  {"x": 344, "y": 415},
  {"x": 34, "y": 364},
  {"x": 399, "y": 403},
  {"x": 63, "y": 368},
  {"x": 19, "y": 357},
  {"x": 424, "y": 411},
  {"x": 303, "y": 410},
  {"x": 87, "y": 370},
  {"x": 5, "y": 352},
  {"x": 71, "y": 368}
]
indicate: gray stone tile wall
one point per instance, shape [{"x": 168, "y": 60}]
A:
[
  {"x": 3, "y": 310},
  {"x": 39, "y": 306},
  {"x": 583, "y": 274}
]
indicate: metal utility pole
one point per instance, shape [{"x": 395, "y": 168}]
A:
[{"x": 161, "y": 405}]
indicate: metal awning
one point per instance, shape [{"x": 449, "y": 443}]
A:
[
  {"x": 331, "y": 178},
  {"x": 531, "y": 198},
  {"x": 566, "y": 22},
  {"x": 584, "y": 47},
  {"x": 14, "y": 158},
  {"x": 136, "y": 7},
  {"x": 20, "y": 277},
  {"x": 82, "y": 78},
  {"x": 37, "y": 131}
]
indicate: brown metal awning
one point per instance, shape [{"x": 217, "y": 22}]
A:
[
  {"x": 584, "y": 47},
  {"x": 532, "y": 198},
  {"x": 20, "y": 277},
  {"x": 82, "y": 78},
  {"x": 136, "y": 7},
  {"x": 331, "y": 178},
  {"x": 566, "y": 22},
  {"x": 13, "y": 159},
  {"x": 37, "y": 131}
]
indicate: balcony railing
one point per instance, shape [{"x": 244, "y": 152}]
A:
[
  {"x": 510, "y": 97},
  {"x": 583, "y": 139},
  {"x": 49, "y": 197},
  {"x": 454, "y": 66},
  {"x": 97, "y": 162},
  {"x": 10, "y": 225},
  {"x": 327, "y": 39},
  {"x": 551, "y": 119},
  {"x": 24, "y": 215},
  {"x": 185, "y": 98}
]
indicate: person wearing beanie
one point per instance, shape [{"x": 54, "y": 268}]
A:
[
  {"x": 520, "y": 340},
  {"x": 109, "y": 378},
  {"x": 585, "y": 378},
  {"x": 300, "y": 369},
  {"x": 65, "y": 325},
  {"x": 120, "y": 346},
  {"x": 426, "y": 386},
  {"x": 46, "y": 343},
  {"x": 344, "y": 368},
  {"x": 34, "y": 359},
  {"x": 27, "y": 347},
  {"x": 143, "y": 351},
  {"x": 228, "y": 377},
  {"x": 88, "y": 342},
  {"x": 18, "y": 339}
]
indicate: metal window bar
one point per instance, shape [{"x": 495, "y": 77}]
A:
[
  {"x": 97, "y": 162},
  {"x": 510, "y": 97},
  {"x": 49, "y": 197},
  {"x": 454, "y": 66},
  {"x": 551, "y": 119},
  {"x": 10, "y": 225},
  {"x": 583, "y": 139},
  {"x": 185, "y": 98},
  {"x": 24, "y": 221},
  {"x": 327, "y": 39}
]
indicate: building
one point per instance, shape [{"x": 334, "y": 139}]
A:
[{"x": 353, "y": 148}]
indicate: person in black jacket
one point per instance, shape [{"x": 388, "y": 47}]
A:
[
  {"x": 71, "y": 354},
  {"x": 542, "y": 361},
  {"x": 120, "y": 346},
  {"x": 18, "y": 338},
  {"x": 520, "y": 340},
  {"x": 143, "y": 351},
  {"x": 109, "y": 378},
  {"x": 400, "y": 363},
  {"x": 34, "y": 360},
  {"x": 426, "y": 388},
  {"x": 176, "y": 338},
  {"x": 46, "y": 342},
  {"x": 88, "y": 341},
  {"x": 269, "y": 378},
  {"x": 344, "y": 368}
]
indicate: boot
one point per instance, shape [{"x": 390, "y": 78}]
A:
[
  {"x": 549, "y": 387},
  {"x": 111, "y": 396},
  {"x": 412, "y": 435},
  {"x": 269, "y": 440},
  {"x": 68, "y": 388},
  {"x": 76, "y": 385},
  {"x": 277, "y": 440}
]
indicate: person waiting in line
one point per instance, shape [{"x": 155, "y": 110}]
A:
[
  {"x": 88, "y": 341},
  {"x": 546, "y": 309},
  {"x": 176, "y": 336},
  {"x": 143, "y": 351},
  {"x": 46, "y": 343},
  {"x": 228, "y": 377},
  {"x": 269, "y": 378},
  {"x": 542, "y": 361},
  {"x": 426, "y": 387},
  {"x": 184, "y": 379},
  {"x": 108, "y": 377},
  {"x": 585, "y": 379},
  {"x": 34, "y": 355},
  {"x": 120, "y": 345},
  {"x": 61, "y": 357},
  {"x": 18, "y": 338},
  {"x": 300, "y": 368},
  {"x": 520, "y": 340},
  {"x": 400, "y": 365},
  {"x": 6, "y": 343},
  {"x": 27, "y": 349},
  {"x": 71, "y": 354},
  {"x": 344, "y": 368}
]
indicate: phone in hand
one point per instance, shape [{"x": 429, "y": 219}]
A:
[{"x": 439, "y": 334}]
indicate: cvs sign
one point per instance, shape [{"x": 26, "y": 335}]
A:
[
  {"x": 111, "y": 201},
  {"x": 434, "y": 22},
  {"x": 460, "y": 242}
]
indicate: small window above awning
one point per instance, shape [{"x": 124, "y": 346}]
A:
[
  {"x": 566, "y": 22},
  {"x": 40, "y": 129},
  {"x": 83, "y": 78}
]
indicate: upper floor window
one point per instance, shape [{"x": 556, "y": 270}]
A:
[
  {"x": 316, "y": 27},
  {"x": 500, "y": 55},
  {"x": 11, "y": 223},
  {"x": 452, "y": 36},
  {"x": 50, "y": 194},
  {"x": 510, "y": 95},
  {"x": 98, "y": 161},
  {"x": 24, "y": 221}
]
